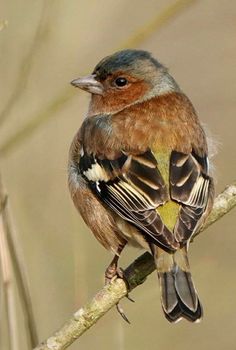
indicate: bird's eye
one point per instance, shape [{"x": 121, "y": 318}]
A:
[{"x": 121, "y": 82}]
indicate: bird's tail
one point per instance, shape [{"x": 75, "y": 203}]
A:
[{"x": 178, "y": 294}]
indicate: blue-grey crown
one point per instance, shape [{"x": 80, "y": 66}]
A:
[{"x": 124, "y": 59}]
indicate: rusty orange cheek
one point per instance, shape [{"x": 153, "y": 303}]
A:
[
  {"x": 117, "y": 99},
  {"x": 114, "y": 100}
]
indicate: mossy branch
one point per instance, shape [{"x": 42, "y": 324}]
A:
[{"x": 136, "y": 274}]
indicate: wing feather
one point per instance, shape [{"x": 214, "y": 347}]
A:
[
  {"x": 190, "y": 185},
  {"x": 133, "y": 187}
]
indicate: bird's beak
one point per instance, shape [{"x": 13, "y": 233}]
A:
[{"x": 89, "y": 84}]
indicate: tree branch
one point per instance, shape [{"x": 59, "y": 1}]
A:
[{"x": 136, "y": 274}]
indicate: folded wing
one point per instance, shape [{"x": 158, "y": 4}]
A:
[
  {"x": 191, "y": 186},
  {"x": 133, "y": 187}
]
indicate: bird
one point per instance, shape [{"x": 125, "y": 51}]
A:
[{"x": 139, "y": 171}]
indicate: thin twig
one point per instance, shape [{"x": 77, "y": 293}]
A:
[
  {"x": 8, "y": 287},
  {"x": 26, "y": 64},
  {"x": 35, "y": 122},
  {"x": 156, "y": 23},
  {"x": 136, "y": 274},
  {"x": 12, "y": 249},
  {"x": 3, "y": 24},
  {"x": 153, "y": 25}
]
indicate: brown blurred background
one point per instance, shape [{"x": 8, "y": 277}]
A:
[{"x": 47, "y": 44}]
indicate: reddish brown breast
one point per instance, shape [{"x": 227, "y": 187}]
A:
[{"x": 167, "y": 122}]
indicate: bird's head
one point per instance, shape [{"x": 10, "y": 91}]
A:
[{"x": 125, "y": 78}]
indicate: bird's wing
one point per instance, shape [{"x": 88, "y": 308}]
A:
[
  {"x": 132, "y": 186},
  {"x": 191, "y": 186}
]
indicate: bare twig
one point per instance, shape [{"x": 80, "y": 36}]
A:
[
  {"x": 136, "y": 274},
  {"x": 3, "y": 24},
  {"x": 26, "y": 64},
  {"x": 8, "y": 286},
  {"x": 34, "y": 123},
  {"x": 11, "y": 249},
  {"x": 157, "y": 22}
]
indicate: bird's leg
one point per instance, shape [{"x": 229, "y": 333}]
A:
[{"x": 112, "y": 272}]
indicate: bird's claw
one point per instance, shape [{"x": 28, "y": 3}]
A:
[
  {"x": 121, "y": 274},
  {"x": 121, "y": 312},
  {"x": 111, "y": 274},
  {"x": 129, "y": 298}
]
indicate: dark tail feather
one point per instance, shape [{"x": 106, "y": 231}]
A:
[
  {"x": 179, "y": 297},
  {"x": 178, "y": 294}
]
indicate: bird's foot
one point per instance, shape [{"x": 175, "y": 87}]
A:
[
  {"x": 114, "y": 272},
  {"x": 111, "y": 274}
]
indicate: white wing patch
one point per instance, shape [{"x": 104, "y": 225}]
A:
[
  {"x": 96, "y": 173},
  {"x": 133, "y": 188},
  {"x": 190, "y": 181},
  {"x": 199, "y": 194}
]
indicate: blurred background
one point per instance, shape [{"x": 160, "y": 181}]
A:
[{"x": 43, "y": 46}]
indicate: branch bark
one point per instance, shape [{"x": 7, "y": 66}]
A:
[{"x": 136, "y": 274}]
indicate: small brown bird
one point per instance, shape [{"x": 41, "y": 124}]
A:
[{"x": 139, "y": 171}]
